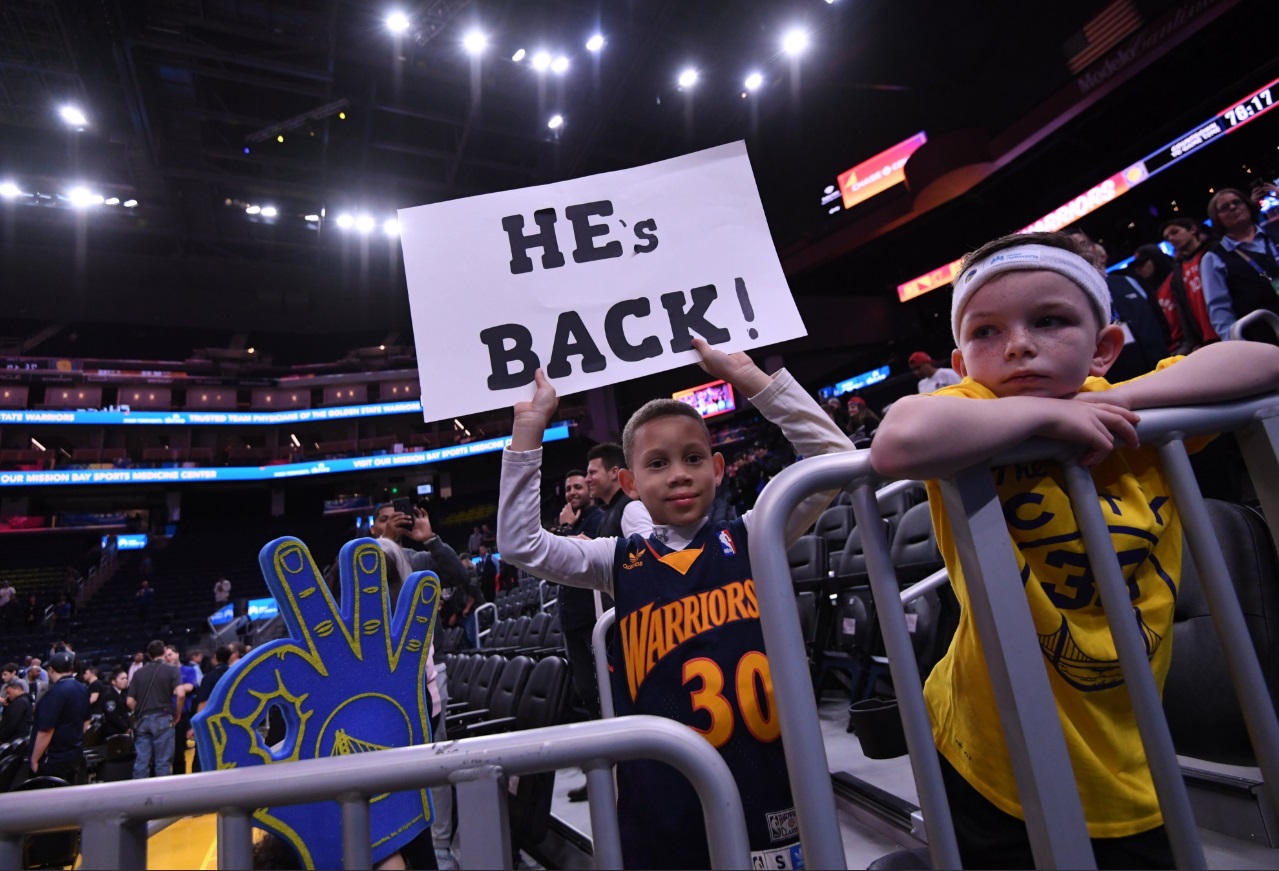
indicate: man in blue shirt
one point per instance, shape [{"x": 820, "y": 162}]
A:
[{"x": 57, "y": 748}]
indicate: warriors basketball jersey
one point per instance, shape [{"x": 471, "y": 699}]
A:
[{"x": 689, "y": 648}]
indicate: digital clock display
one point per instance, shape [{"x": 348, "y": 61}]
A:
[{"x": 1250, "y": 108}]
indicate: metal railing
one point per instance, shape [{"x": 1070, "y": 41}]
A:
[
  {"x": 1260, "y": 316},
  {"x": 114, "y": 816},
  {"x": 1036, "y": 745}
]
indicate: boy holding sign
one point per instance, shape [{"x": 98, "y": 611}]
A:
[{"x": 689, "y": 645}]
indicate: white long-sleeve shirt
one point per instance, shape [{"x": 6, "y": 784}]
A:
[{"x": 589, "y": 562}]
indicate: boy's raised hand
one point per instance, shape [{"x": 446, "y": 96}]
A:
[
  {"x": 532, "y": 415},
  {"x": 737, "y": 369}
]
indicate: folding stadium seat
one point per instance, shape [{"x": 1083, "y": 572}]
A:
[
  {"x": 807, "y": 558},
  {"x": 834, "y": 525},
  {"x": 514, "y": 639},
  {"x": 502, "y": 704},
  {"x": 481, "y": 685},
  {"x": 534, "y": 639},
  {"x": 1199, "y": 698},
  {"x": 544, "y": 702},
  {"x": 554, "y": 643},
  {"x": 459, "y": 677}
]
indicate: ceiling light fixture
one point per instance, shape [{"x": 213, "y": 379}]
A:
[
  {"x": 391, "y": 227},
  {"x": 519, "y": 55},
  {"x": 688, "y": 78},
  {"x": 253, "y": 210},
  {"x": 113, "y": 201},
  {"x": 595, "y": 43},
  {"x": 81, "y": 197},
  {"x": 795, "y": 42},
  {"x": 753, "y": 81},
  {"x": 559, "y": 66},
  {"x": 312, "y": 219},
  {"x": 364, "y": 223},
  {"x": 556, "y": 122},
  {"x": 345, "y": 221},
  {"x": 130, "y": 204},
  {"x": 397, "y": 22},
  {"x": 9, "y": 190},
  {"x": 475, "y": 42},
  {"x": 73, "y": 116},
  {"x": 541, "y": 61},
  {"x": 269, "y": 212}
]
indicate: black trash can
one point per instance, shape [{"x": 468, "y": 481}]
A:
[{"x": 879, "y": 728}]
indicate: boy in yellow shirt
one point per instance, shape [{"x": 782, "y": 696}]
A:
[{"x": 1032, "y": 321}]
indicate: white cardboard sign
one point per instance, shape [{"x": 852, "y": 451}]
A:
[{"x": 595, "y": 280}]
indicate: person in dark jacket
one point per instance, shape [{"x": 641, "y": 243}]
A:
[{"x": 16, "y": 722}]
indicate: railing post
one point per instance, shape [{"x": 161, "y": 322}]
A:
[
  {"x": 356, "y": 837},
  {"x": 235, "y": 838},
  {"x": 943, "y": 848},
  {"x": 606, "y": 837},
  {"x": 1227, "y": 615},
  {"x": 1139, "y": 681},
  {"x": 483, "y": 830},
  {"x": 113, "y": 842},
  {"x": 1259, "y": 443},
  {"x": 1027, "y": 711},
  {"x": 599, "y": 649}
]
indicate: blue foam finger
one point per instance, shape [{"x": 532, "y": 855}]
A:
[{"x": 349, "y": 679}]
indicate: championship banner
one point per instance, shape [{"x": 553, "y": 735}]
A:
[{"x": 596, "y": 280}]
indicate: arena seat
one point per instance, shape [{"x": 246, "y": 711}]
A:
[
  {"x": 50, "y": 849},
  {"x": 807, "y": 558},
  {"x": 502, "y": 704},
  {"x": 834, "y": 525},
  {"x": 1199, "y": 698},
  {"x": 913, "y": 548}
]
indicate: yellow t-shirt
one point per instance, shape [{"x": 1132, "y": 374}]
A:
[{"x": 1079, "y": 654}]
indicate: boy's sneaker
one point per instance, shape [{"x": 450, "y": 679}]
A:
[{"x": 445, "y": 859}]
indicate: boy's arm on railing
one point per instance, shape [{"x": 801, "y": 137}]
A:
[
  {"x": 1215, "y": 373},
  {"x": 934, "y": 436}
]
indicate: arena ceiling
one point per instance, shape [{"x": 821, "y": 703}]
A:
[{"x": 199, "y": 109}]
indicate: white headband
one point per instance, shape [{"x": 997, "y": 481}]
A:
[{"x": 1030, "y": 256}]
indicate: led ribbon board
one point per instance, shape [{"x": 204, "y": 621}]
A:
[
  {"x": 58, "y": 477},
  {"x": 186, "y": 418},
  {"x": 1228, "y": 120}
]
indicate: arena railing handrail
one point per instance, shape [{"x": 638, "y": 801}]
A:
[
  {"x": 114, "y": 816},
  {"x": 1036, "y": 745}
]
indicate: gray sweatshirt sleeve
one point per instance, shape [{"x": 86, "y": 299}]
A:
[{"x": 522, "y": 541}]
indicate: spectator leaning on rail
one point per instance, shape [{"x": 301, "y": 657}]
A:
[
  {"x": 1031, "y": 319},
  {"x": 687, "y": 616},
  {"x": 1241, "y": 272}
]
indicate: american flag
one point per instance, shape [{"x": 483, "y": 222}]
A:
[{"x": 1101, "y": 34}]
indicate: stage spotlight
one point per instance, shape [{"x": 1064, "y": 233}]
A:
[
  {"x": 73, "y": 116},
  {"x": 474, "y": 42},
  {"x": 795, "y": 41},
  {"x": 397, "y": 22}
]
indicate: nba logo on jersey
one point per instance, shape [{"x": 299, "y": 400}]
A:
[{"x": 726, "y": 542}]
